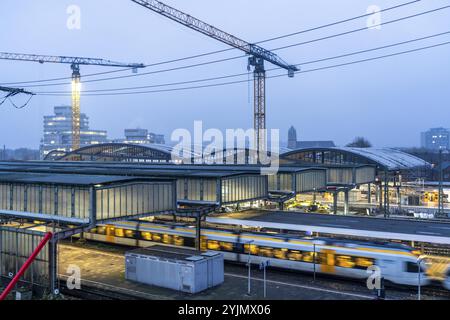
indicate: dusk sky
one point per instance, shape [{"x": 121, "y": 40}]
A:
[{"x": 389, "y": 101}]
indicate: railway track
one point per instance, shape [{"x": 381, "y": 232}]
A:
[
  {"x": 93, "y": 293},
  {"x": 92, "y": 290}
]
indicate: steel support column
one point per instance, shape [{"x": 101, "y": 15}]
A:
[
  {"x": 346, "y": 201},
  {"x": 335, "y": 201},
  {"x": 369, "y": 193},
  {"x": 198, "y": 232},
  {"x": 53, "y": 265},
  {"x": 386, "y": 195}
]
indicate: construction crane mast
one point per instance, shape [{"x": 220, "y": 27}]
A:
[
  {"x": 256, "y": 60},
  {"x": 75, "y": 63}
]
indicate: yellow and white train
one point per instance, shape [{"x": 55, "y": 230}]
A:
[{"x": 397, "y": 262}]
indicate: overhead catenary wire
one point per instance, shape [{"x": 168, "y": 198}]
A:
[
  {"x": 22, "y": 105},
  {"x": 214, "y": 52},
  {"x": 238, "y": 57},
  {"x": 269, "y": 77},
  {"x": 272, "y": 69}
]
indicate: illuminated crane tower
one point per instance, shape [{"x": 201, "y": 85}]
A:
[
  {"x": 257, "y": 57},
  {"x": 75, "y": 63}
]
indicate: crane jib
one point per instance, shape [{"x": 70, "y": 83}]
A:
[
  {"x": 215, "y": 33},
  {"x": 66, "y": 60}
]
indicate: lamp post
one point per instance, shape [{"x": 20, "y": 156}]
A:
[
  {"x": 263, "y": 266},
  {"x": 249, "y": 266},
  {"x": 419, "y": 262}
]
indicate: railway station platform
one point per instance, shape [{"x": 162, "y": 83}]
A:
[
  {"x": 102, "y": 267},
  {"x": 357, "y": 226}
]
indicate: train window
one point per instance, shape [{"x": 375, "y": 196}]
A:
[
  {"x": 156, "y": 237},
  {"x": 101, "y": 230},
  {"x": 178, "y": 241},
  {"x": 213, "y": 245},
  {"x": 413, "y": 267},
  {"x": 294, "y": 255},
  {"x": 308, "y": 257},
  {"x": 280, "y": 253},
  {"x": 146, "y": 236},
  {"x": 227, "y": 246},
  {"x": 266, "y": 252},
  {"x": 130, "y": 233},
  {"x": 167, "y": 239},
  {"x": 363, "y": 263},
  {"x": 119, "y": 233},
  {"x": 254, "y": 250},
  {"x": 345, "y": 262}
]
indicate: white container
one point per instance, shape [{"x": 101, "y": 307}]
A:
[{"x": 175, "y": 268}]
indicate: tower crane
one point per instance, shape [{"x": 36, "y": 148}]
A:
[
  {"x": 256, "y": 60},
  {"x": 75, "y": 63}
]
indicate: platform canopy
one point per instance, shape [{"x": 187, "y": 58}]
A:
[{"x": 83, "y": 199}]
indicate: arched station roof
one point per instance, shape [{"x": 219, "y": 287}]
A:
[
  {"x": 119, "y": 152},
  {"x": 384, "y": 158}
]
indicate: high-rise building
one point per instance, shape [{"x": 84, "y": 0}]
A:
[
  {"x": 436, "y": 139},
  {"x": 141, "y": 136},
  {"x": 58, "y": 131},
  {"x": 292, "y": 138}
]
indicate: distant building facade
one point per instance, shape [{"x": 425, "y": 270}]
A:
[
  {"x": 293, "y": 143},
  {"x": 141, "y": 136},
  {"x": 58, "y": 132},
  {"x": 292, "y": 138},
  {"x": 19, "y": 154},
  {"x": 436, "y": 139}
]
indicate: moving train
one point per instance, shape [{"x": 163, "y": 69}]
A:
[{"x": 397, "y": 262}]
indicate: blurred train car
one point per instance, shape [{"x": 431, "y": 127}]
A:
[
  {"x": 446, "y": 282},
  {"x": 397, "y": 262}
]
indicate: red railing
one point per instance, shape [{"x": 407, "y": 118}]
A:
[{"x": 24, "y": 268}]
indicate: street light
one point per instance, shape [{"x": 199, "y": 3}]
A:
[
  {"x": 249, "y": 266},
  {"x": 263, "y": 266},
  {"x": 419, "y": 262}
]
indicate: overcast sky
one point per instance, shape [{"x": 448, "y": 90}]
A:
[{"x": 389, "y": 101}]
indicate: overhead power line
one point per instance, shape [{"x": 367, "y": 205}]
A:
[
  {"x": 12, "y": 92},
  {"x": 223, "y": 50},
  {"x": 245, "y": 74},
  {"x": 274, "y": 76},
  {"x": 240, "y": 56}
]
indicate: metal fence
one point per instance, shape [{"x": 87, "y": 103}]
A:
[{"x": 16, "y": 246}]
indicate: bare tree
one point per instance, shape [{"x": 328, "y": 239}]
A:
[{"x": 360, "y": 142}]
